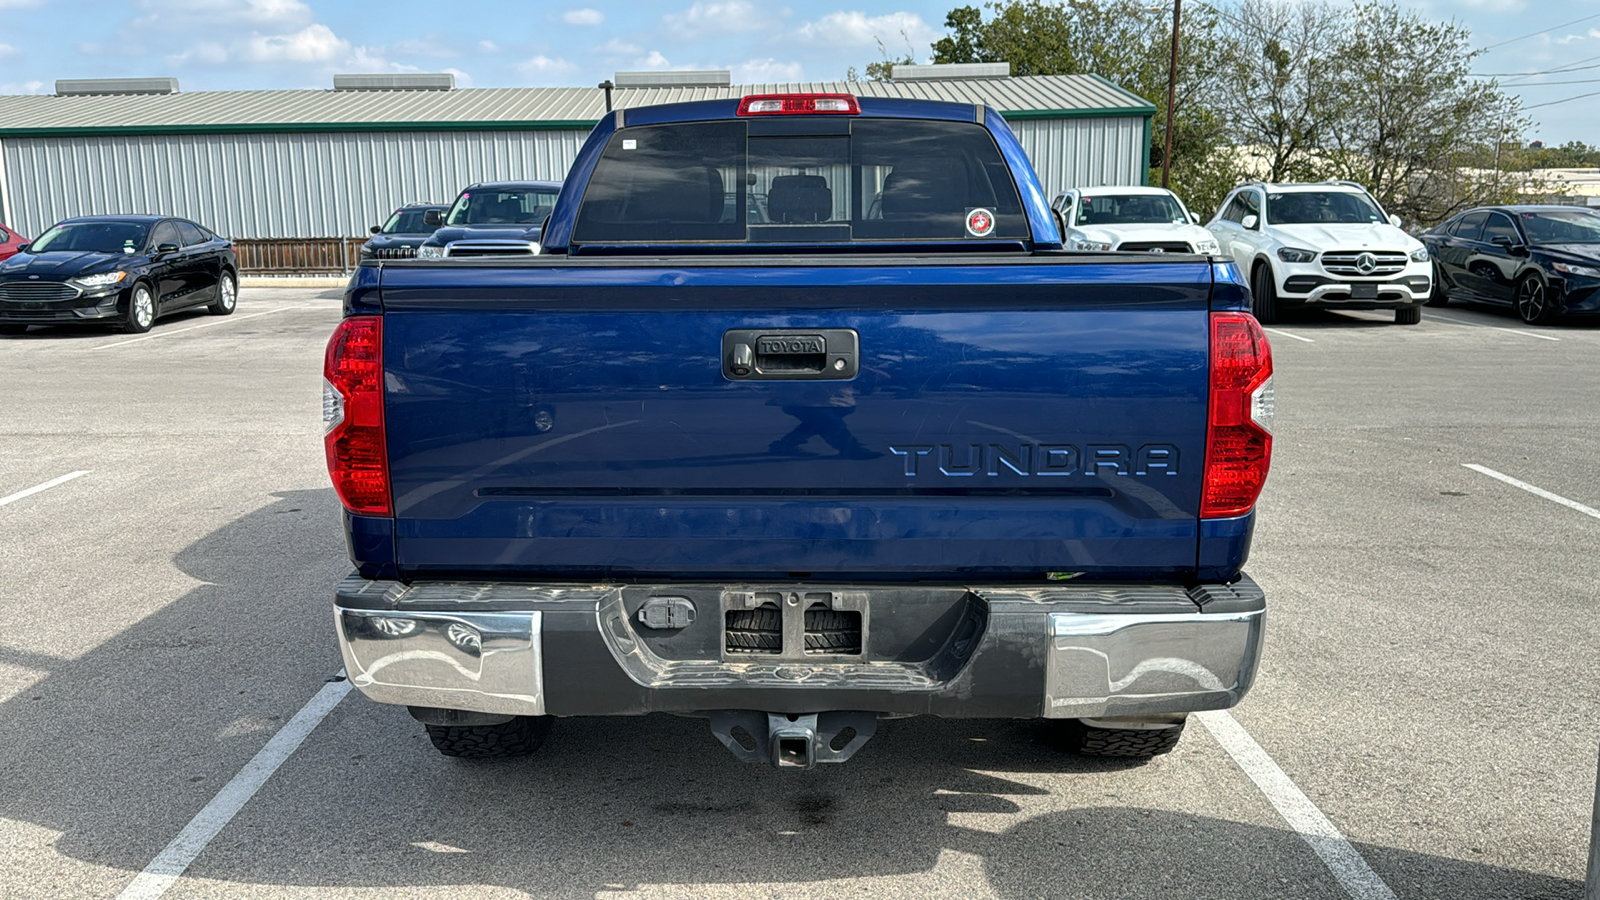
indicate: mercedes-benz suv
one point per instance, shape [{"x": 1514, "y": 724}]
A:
[{"x": 1327, "y": 244}]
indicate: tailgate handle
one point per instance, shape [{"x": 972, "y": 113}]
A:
[{"x": 790, "y": 354}]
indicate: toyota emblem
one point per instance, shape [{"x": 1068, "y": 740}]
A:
[{"x": 1365, "y": 263}]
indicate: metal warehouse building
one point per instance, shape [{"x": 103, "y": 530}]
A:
[{"x": 331, "y": 163}]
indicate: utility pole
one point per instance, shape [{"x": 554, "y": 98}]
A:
[{"x": 1172, "y": 92}]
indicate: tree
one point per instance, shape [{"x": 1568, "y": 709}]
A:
[
  {"x": 1281, "y": 64},
  {"x": 1128, "y": 43},
  {"x": 1411, "y": 118}
]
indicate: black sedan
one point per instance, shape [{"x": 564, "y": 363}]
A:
[
  {"x": 1543, "y": 261},
  {"x": 120, "y": 270},
  {"x": 399, "y": 237}
]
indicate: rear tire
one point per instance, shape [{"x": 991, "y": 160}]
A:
[
  {"x": 1410, "y": 315},
  {"x": 518, "y": 737},
  {"x": 1122, "y": 743},
  {"x": 227, "y": 296},
  {"x": 1264, "y": 296},
  {"x": 12, "y": 328}
]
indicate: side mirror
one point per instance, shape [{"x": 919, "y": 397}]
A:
[
  {"x": 24, "y": 248},
  {"x": 1505, "y": 242},
  {"x": 1250, "y": 222},
  {"x": 163, "y": 249},
  {"x": 1194, "y": 219},
  {"x": 433, "y": 217},
  {"x": 377, "y": 229},
  {"x": 1394, "y": 220}
]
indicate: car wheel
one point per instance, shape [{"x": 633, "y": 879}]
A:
[
  {"x": 1533, "y": 301},
  {"x": 1440, "y": 295},
  {"x": 1264, "y": 296},
  {"x": 141, "y": 310},
  {"x": 518, "y": 737},
  {"x": 12, "y": 328},
  {"x": 1408, "y": 315},
  {"x": 1126, "y": 743},
  {"x": 227, "y": 296}
]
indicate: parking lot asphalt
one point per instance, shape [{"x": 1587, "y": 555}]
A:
[{"x": 1429, "y": 683}]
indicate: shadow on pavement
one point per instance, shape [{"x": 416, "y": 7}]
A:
[{"x": 118, "y": 749}]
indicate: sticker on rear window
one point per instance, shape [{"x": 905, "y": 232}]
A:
[
  {"x": 980, "y": 222},
  {"x": 630, "y": 144}
]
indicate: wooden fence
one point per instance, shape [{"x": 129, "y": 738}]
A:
[{"x": 298, "y": 256}]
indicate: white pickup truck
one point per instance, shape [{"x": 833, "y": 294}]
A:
[{"x": 1134, "y": 219}]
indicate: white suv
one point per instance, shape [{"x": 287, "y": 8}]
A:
[
  {"x": 1328, "y": 244},
  {"x": 1137, "y": 219}
]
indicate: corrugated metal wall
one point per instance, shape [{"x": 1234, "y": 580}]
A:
[
  {"x": 297, "y": 185},
  {"x": 269, "y": 185},
  {"x": 1084, "y": 152}
]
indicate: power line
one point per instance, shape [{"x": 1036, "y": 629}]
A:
[
  {"x": 1543, "y": 83},
  {"x": 1568, "y": 100},
  {"x": 1570, "y": 67},
  {"x": 1537, "y": 33}
]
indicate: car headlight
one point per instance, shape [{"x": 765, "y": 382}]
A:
[
  {"x": 1420, "y": 254},
  {"x": 427, "y": 251},
  {"x": 104, "y": 279},
  {"x": 1569, "y": 269},
  {"x": 1209, "y": 248},
  {"x": 1295, "y": 255},
  {"x": 1097, "y": 246}
]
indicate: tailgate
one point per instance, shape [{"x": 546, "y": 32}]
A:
[{"x": 1007, "y": 418}]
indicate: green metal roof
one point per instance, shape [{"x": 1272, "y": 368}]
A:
[{"x": 500, "y": 109}]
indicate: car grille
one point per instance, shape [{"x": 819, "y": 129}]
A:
[
  {"x": 1347, "y": 262},
  {"x": 36, "y": 291},
  {"x": 393, "y": 252},
  {"x": 461, "y": 249},
  {"x": 1156, "y": 247}
]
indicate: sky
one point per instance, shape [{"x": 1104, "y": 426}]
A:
[{"x": 212, "y": 45}]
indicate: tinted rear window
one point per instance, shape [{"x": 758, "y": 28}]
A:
[{"x": 885, "y": 180}]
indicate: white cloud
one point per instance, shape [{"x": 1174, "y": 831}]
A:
[
  {"x": 654, "y": 61},
  {"x": 760, "y": 71},
  {"x": 724, "y": 17},
  {"x": 463, "y": 80},
  {"x": 583, "y": 17},
  {"x": 281, "y": 15},
  {"x": 619, "y": 47},
  {"x": 544, "y": 65},
  {"x": 1495, "y": 6},
  {"x": 857, "y": 29},
  {"x": 6, "y": 50},
  {"x": 312, "y": 44},
  {"x": 489, "y": 46},
  {"x": 19, "y": 4}
]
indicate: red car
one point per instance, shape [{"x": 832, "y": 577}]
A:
[{"x": 12, "y": 242}]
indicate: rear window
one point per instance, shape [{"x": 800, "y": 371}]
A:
[{"x": 871, "y": 180}]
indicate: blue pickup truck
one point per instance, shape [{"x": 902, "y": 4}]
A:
[{"x": 800, "y": 420}]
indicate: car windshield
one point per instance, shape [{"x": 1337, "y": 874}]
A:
[
  {"x": 408, "y": 221},
  {"x": 1130, "y": 209},
  {"x": 509, "y": 206},
  {"x": 1576, "y": 227},
  {"x": 93, "y": 237},
  {"x": 1321, "y": 207}
]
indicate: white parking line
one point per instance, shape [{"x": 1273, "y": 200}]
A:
[
  {"x": 165, "y": 869},
  {"x": 151, "y": 337},
  {"x": 1542, "y": 337},
  {"x": 1347, "y": 865},
  {"x": 1288, "y": 335},
  {"x": 41, "y": 487},
  {"x": 1536, "y": 491}
]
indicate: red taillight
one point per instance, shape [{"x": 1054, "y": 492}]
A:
[
  {"x": 1239, "y": 431},
  {"x": 799, "y": 105},
  {"x": 352, "y": 416}
]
